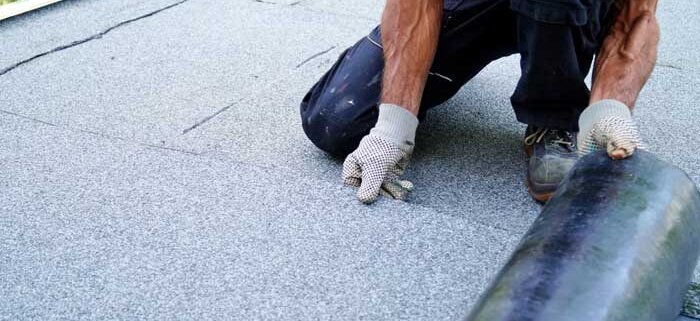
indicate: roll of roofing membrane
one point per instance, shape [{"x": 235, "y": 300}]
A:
[
  {"x": 691, "y": 306},
  {"x": 618, "y": 241}
]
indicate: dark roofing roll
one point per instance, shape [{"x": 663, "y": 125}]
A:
[
  {"x": 691, "y": 306},
  {"x": 617, "y": 242}
]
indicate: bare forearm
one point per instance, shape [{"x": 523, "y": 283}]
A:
[
  {"x": 410, "y": 32},
  {"x": 628, "y": 54}
]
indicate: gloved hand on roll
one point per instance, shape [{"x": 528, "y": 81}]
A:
[
  {"x": 608, "y": 125},
  {"x": 376, "y": 166}
]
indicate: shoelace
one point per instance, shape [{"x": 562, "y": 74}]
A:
[{"x": 539, "y": 134}]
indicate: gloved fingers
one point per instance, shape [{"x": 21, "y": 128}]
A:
[
  {"x": 622, "y": 143},
  {"x": 352, "y": 172},
  {"x": 352, "y": 181},
  {"x": 624, "y": 147},
  {"x": 407, "y": 185},
  {"x": 402, "y": 164},
  {"x": 375, "y": 161},
  {"x": 372, "y": 179},
  {"x": 392, "y": 175},
  {"x": 398, "y": 170},
  {"x": 397, "y": 190},
  {"x": 617, "y": 135},
  {"x": 393, "y": 191},
  {"x": 620, "y": 150}
]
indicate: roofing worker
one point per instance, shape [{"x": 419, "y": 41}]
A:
[{"x": 370, "y": 102}]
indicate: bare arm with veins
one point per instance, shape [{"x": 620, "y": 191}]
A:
[
  {"x": 627, "y": 56},
  {"x": 410, "y": 32}
]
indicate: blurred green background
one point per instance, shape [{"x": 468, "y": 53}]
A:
[{"x": 6, "y": 1}]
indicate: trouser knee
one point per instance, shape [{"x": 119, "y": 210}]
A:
[
  {"x": 329, "y": 131},
  {"x": 341, "y": 107}
]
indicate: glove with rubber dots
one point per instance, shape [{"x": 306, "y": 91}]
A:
[
  {"x": 376, "y": 166},
  {"x": 608, "y": 125}
]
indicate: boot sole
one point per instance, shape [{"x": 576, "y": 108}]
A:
[{"x": 539, "y": 197}]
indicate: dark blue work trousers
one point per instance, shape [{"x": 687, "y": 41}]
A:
[{"x": 556, "y": 40}]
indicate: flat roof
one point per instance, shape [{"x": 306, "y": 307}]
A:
[{"x": 153, "y": 165}]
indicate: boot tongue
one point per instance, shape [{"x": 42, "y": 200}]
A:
[{"x": 559, "y": 138}]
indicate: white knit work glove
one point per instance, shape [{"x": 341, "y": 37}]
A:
[
  {"x": 382, "y": 157},
  {"x": 608, "y": 125}
]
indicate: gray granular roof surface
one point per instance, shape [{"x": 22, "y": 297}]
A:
[{"x": 154, "y": 167}]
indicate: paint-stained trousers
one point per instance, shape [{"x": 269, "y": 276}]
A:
[{"x": 556, "y": 40}]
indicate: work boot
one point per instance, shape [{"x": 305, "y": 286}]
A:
[{"x": 552, "y": 154}]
